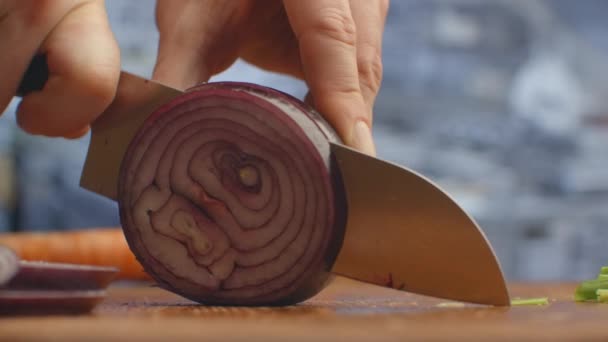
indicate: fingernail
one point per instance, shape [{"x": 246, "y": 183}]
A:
[{"x": 362, "y": 138}]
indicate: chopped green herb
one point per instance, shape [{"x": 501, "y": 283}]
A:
[
  {"x": 530, "y": 301},
  {"x": 587, "y": 290},
  {"x": 593, "y": 290},
  {"x": 602, "y": 295}
]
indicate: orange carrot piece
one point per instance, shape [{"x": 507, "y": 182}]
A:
[{"x": 95, "y": 246}]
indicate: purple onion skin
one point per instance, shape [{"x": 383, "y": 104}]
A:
[
  {"x": 48, "y": 276},
  {"x": 288, "y": 134}
]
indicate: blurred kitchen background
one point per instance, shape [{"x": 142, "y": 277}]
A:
[{"x": 502, "y": 103}]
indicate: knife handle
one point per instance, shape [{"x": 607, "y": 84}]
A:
[{"x": 35, "y": 76}]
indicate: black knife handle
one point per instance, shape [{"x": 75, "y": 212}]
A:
[{"x": 35, "y": 76}]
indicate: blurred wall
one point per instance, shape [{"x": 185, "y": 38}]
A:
[{"x": 503, "y": 103}]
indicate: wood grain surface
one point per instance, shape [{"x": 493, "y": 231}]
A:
[{"x": 345, "y": 311}]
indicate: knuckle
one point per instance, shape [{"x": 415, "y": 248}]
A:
[
  {"x": 371, "y": 69},
  {"x": 99, "y": 85},
  {"x": 104, "y": 89},
  {"x": 335, "y": 24}
]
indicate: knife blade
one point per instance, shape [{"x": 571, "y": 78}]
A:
[
  {"x": 406, "y": 233},
  {"x": 111, "y": 132},
  {"x": 135, "y": 99},
  {"x": 403, "y": 232}
]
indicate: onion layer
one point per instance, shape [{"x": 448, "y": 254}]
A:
[{"x": 229, "y": 195}]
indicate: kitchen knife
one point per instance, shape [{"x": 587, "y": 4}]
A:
[
  {"x": 403, "y": 232},
  {"x": 406, "y": 233}
]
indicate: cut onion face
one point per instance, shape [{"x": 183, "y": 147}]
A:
[{"x": 229, "y": 195}]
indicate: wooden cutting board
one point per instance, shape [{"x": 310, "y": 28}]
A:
[{"x": 346, "y": 310}]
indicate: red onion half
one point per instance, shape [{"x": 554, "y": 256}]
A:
[{"x": 229, "y": 195}]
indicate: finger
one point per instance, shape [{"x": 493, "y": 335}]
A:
[
  {"x": 84, "y": 67},
  {"x": 24, "y": 25},
  {"x": 325, "y": 31},
  {"x": 197, "y": 39},
  {"x": 269, "y": 42},
  {"x": 370, "y": 17}
]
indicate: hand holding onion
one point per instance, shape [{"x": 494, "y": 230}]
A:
[
  {"x": 229, "y": 194},
  {"x": 334, "y": 45}
]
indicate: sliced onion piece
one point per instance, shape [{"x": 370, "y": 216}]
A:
[
  {"x": 39, "y": 302},
  {"x": 9, "y": 265},
  {"x": 229, "y": 195}
]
